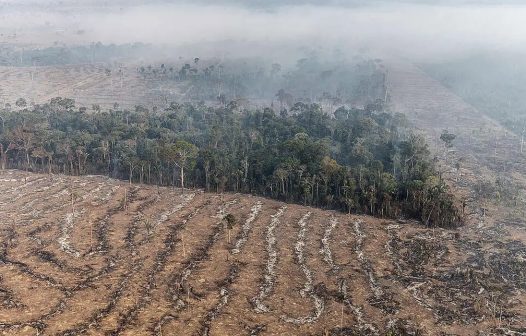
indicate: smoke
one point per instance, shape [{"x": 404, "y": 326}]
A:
[{"x": 402, "y": 29}]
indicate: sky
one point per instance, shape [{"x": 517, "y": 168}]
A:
[{"x": 414, "y": 29}]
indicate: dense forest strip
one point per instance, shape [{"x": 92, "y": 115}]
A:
[{"x": 354, "y": 160}]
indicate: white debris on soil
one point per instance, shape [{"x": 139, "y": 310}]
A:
[
  {"x": 270, "y": 274},
  {"x": 325, "y": 243},
  {"x": 66, "y": 227},
  {"x": 357, "y": 311},
  {"x": 245, "y": 230},
  {"x": 163, "y": 217},
  {"x": 360, "y": 236},
  {"x": 308, "y": 285},
  {"x": 106, "y": 196}
]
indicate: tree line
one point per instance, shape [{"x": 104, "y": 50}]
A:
[{"x": 354, "y": 160}]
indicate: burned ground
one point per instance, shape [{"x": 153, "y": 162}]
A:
[{"x": 124, "y": 259}]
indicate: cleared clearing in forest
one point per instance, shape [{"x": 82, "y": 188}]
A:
[{"x": 87, "y": 84}]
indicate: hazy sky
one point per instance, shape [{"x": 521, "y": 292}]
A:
[{"x": 402, "y": 27}]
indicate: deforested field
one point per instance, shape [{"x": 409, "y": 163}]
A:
[
  {"x": 95, "y": 256},
  {"x": 87, "y": 84}
]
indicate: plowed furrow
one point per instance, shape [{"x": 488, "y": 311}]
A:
[
  {"x": 307, "y": 289},
  {"x": 117, "y": 265},
  {"x": 269, "y": 277},
  {"x": 250, "y": 265},
  {"x": 181, "y": 293},
  {"x": 129, "y": 317}
]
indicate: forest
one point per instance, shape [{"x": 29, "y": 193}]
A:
[
  {"x": 59, "y": 54},
  {"x": 354, "y": 160},
  {"x": 256, "y": 82}
]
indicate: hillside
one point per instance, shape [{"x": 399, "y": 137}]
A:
[
  {"x": 494, "y": 85},
  {"x": 91, "y": 255},
  {"x": 106, "y": 75},
  {"x": 485, "y": 168},
  {"x": 87, "y": 84}
]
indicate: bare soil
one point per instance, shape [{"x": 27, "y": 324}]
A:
[{"x": 161, "y": 264}]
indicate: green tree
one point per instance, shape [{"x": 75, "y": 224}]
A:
[{"x": 182, "y": 154}]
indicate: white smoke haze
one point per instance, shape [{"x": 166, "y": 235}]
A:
[{"x": 407, "y": 30}]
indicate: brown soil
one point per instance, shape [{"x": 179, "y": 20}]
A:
[{"x": 161, "y": 264}]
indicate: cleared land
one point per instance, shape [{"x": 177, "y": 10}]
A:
[
  {"x": 88, "y": 84},
  {"x": 90, "y": 255}
]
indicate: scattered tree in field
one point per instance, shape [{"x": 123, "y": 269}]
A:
[
  {"x": 230, "y": 221},
  {"x": 21, "y": 103},
  {"x": 447, "y": 138}
]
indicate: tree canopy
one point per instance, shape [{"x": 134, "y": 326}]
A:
[{"x": 356, "y": 160}]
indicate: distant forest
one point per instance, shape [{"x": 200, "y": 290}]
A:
[
  {"x": 60, "y": 55},
  {"x": 310, "y": 80},
  {"x": 355, "y": 160}
]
